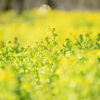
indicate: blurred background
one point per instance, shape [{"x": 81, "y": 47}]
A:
[
  {"x": 33, "y": 16},
  {"x": 20, "y": 5}
]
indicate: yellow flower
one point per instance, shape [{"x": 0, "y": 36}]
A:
[
  {"x": 98, "y": 54},
  {"x": 8, "y": 77},
  {"x": 59, "y": 70},
  {"x": 49, "y": 29},
  {"x": 96, "y": 51},
  {"x": 98, "y": 42},
  {"x": 68, "y": 54}
]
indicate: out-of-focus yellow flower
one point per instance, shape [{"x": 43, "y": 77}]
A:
[
  {"x": 98, "y": 42},
  {"x": 7, "y": 77},
  {"x": 28, "y": 51},
  {"x": 49, "y": 28},
  {"x": 0, "y": 39},
  {"x": 59, "y": 70},
  {"x": 68, "y": 54},
  {"x": 96, "y": 51},
  {"x": 63, "y": 61},
  {"x": 98, "y": 54}
]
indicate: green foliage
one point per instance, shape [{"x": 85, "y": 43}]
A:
[
  {"x": 84, "y": 42},
  {"x": 98, "y": 41},
  {"x": 49, "y": 71}
]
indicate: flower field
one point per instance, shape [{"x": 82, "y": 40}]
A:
[{"x": 40, "y": 61}]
